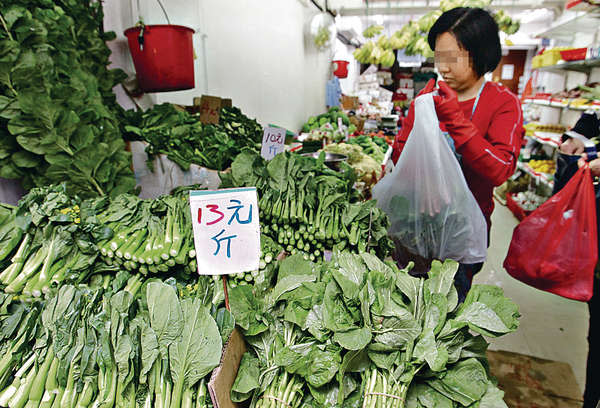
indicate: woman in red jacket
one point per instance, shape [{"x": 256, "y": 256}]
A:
[{"x": 483, "y": 120}]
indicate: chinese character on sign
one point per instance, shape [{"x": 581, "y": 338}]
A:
[
  {"x": 273, "y": 142},
  {"x": 226, "y": 230}
]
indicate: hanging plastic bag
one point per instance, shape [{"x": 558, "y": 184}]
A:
[
  {"x": 432, "y": 212},
  {"x": 555, "y": 248}
]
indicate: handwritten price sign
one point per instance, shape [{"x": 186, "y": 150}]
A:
[
  {"x": 273, "y": 142},
  {"x": 226, "y": 230}
]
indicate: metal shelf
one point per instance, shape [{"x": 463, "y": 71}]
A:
[
  {"x": 539, "y": 177},
  {"x": 540, "y": 138},
  {"x": 551, "y": 105},
  {"x": 580, "y": 66},
  {"x": 563, "y": 29}
]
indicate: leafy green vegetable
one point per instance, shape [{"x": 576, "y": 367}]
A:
[
  {"x": 185, "y": 140},
  {"x": 59, "y": 120}
]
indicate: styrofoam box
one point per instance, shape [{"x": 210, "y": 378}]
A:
[
  {"x": 409, "y": 92},
  {"x": 406, "y": 83},
  {"x": 367, "y": 78}
]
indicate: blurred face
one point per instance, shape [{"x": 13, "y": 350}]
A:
[{"x": 454, "y": 63}]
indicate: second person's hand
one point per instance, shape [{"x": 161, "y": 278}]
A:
[{"x": 594, "y": 165}]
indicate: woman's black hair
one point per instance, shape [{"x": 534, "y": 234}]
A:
[{"x": 476, "y": 31}]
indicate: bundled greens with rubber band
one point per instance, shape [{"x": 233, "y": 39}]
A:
[{"x": 358, "y": 332}]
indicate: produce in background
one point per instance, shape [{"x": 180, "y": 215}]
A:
[
  {"x": 185, "y": 140},
  {"x": 367, "y": 168},
  {"x": 124, "y": 344},
  {"x": 372, "y": 31},
  {"x": 359, "y": 332},
  {"x": 375, "y": 147},
  {"x": 528, "y": 200},
  {"x": 412, "y": 37},
  {"x": 543, "y": 166},
  {"x": 317, "y": 125},
  {"x": 59, "y": 120},
  {"x": 307, "y": 207}
]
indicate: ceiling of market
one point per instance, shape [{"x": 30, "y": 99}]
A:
[
  {"x": 355, "y": 15},
  {"x": 372, "y": 7}
]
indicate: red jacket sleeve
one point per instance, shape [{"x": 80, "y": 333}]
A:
[
  {"x": 402, "y": 136},
  {"x": 495, "y": 157}
]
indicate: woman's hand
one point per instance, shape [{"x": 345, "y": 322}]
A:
[
  {"x": 572, "y": 146},
  {"x": 446, "y": 104},
  {"x": 594, "y": 165},
  {"x": 428, "y": 88}
]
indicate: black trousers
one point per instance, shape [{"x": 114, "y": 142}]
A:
[{"x": 592, "y": 385}]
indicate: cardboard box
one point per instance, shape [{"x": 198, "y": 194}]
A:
[
  {"x": 223, "y": 377},
  {"x": 349, "y": 102},
  {"x": 534, "y": 382},
  {"x": 209, "y": 107}
]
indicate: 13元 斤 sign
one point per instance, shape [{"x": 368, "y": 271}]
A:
[{"x": 226, "y": 230}]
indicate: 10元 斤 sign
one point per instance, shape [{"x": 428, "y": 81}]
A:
[
  {"x": 273, "y": 142},
  {"x": 226, "y": 230}
]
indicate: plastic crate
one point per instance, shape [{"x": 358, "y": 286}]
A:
[
  {"x": 575, "y": 54},
  {"x": 551, "y": 57},
  {"x": 515, "y": 208}
]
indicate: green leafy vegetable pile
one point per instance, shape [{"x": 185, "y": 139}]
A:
[
  {"x": 307, "y": 207},
  {"x": 58, "y": 114},
  {"x": 367, "y": 168},
  {"x": 330, "y": 117},
  {"x": 359, "y": 332},
  {"x": 375, "y": 147},
  {"x": 186, "y": 141},
  {"x": 139, "y": 344}
]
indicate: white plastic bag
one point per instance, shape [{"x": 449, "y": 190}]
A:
[{"x": 431, "y": 209}]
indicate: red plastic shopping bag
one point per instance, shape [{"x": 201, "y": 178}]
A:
[{"x": 555, "y": 248}]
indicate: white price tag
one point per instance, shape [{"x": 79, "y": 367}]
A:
[
  {"x": 226, "y": 230},
  {"x": 273, "y": 142}
]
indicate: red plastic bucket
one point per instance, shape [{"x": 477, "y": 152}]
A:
[
  {"x": 163, "y": 56},
  {"x": 340, "y": 68}
]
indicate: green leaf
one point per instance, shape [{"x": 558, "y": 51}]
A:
[
  {"x": 426, "y": 397},
  {"x": 465, "y": 382},
  {"x": 488, "y": 312},
  {"x": 197, "y": 351},
  {"x": 350, "y": 273},
  {"x": 398, "y": 332},
  {"x": 426, "y": 349},
  {"x": 247, "y": 378},
  {"x": 225, "y": 323},
  {"x": 150, "y": 350},
  {"x": 441, "y": 276},
  {"x": 246, "y": 310},
  {"x": 289, "y": 283},
  {"x": 355, "y": 339},
  {"x": 166, "y": 314},
  {"x": 493, "y": 398},
  {"x": 336, "y": 316}
]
